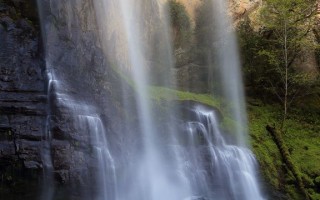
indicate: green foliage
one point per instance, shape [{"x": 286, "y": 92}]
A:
[
  {"x": 255, "y": 64},
  {"x": 180, "y": 22},
  {"x": 286, "y": 157},
  {"x": 270, "y": 54},
  {"x": 303, "y": 143},
  {"x": 288, "y": 24}
]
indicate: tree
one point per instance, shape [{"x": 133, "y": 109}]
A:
[
  {"x": 255, "y": 66},
  {"x": 288, "y": 28}
]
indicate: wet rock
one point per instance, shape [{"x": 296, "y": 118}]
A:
[
  {"x": 7, "y": 150},
  {"x": 4, "y": 121},
  {"x": 6, "y": 75},
  {"x": 3, "y": 7},
  {"x": 62, "y": 176},
  {"x": 187, "y": 110},
  {"x": 6, "y": 134},
  {"x": 28, "y": 150},
  {"x": 61, "y": 155},
  {"x": 31, "y": 164},
  {"x": 25, "y": 25},
  {"x": 182, "y": 57},
  {"x": 7, "y": 23},
  {"x": 192, "y": 77},
  {"x": 1, "y": 30},
  {"x": 29, "y": 128},
  {"x": 22, "y": 102}
]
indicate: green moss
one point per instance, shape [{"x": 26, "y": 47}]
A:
[
  {"x": 161, "y": 93},
  {"x": 314, "y": 195},
  {"x": 228, "y": 124},
  {"x": 302, "y": 139}
]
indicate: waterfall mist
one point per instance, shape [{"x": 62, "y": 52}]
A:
[{"x": 228, "y": 62}]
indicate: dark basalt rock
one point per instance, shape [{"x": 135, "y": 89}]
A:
[
  {"x": 22, "y": 101},
  {"x": 3, "y": 7}
]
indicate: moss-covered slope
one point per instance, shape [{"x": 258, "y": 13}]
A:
[{"x": 302, "y": 139}]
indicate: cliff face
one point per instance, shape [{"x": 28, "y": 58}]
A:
[
  {"x": 237, "y": 8},
  {"x": 22, "y": 93},
  {"x": 24, "y": 97}
]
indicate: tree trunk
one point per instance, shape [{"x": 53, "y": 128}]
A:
[{"x": 287, "y": 160}]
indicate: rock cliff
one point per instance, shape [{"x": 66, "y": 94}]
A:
[{"x": 22, "y": 93}]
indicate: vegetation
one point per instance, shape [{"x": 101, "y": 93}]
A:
[
  {"x": 301, "y": 140},
  {"x": 277, "y": 50},
  {"x": 285, "y": 96},
  {"x": 290, "y": 22},
  {"x": 299, "y": 143}
]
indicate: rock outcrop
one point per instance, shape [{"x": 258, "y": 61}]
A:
[{"x": 22, "y": 95}]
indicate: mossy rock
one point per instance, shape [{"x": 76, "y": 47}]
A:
[{"x": 187, "y": 107}]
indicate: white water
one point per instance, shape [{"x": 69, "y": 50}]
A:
[
  {"x": 217, "y": 170},
  {"x": 47, "y": 188},
  {"x": 85, "y": 121},
  {"x": 106, "y": 178},
  {"x": 207, "y": 166},
  {"x": 229, "y": 68},
  {"x": 153, "y": 178}
]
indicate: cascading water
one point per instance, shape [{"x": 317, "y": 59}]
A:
[
  {"x": 167, "y": 162},
  {"x": 47, "y": 188},
  {"x": 87, "y": 121},
  {"x": 106, "y": 178},
  {"x": 217, "y": 169},
  {"x": 154, "y": 177},
  {"x": 228, "y": 62}
]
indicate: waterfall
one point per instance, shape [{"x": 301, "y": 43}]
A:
[
  {"x": 107, "y": 139},
  {"x": 228, "y": 60},
  {"x": 217, "y": 169},
  {"x": 106, "y": 178},
  {"x": 47, "y": 188}
]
